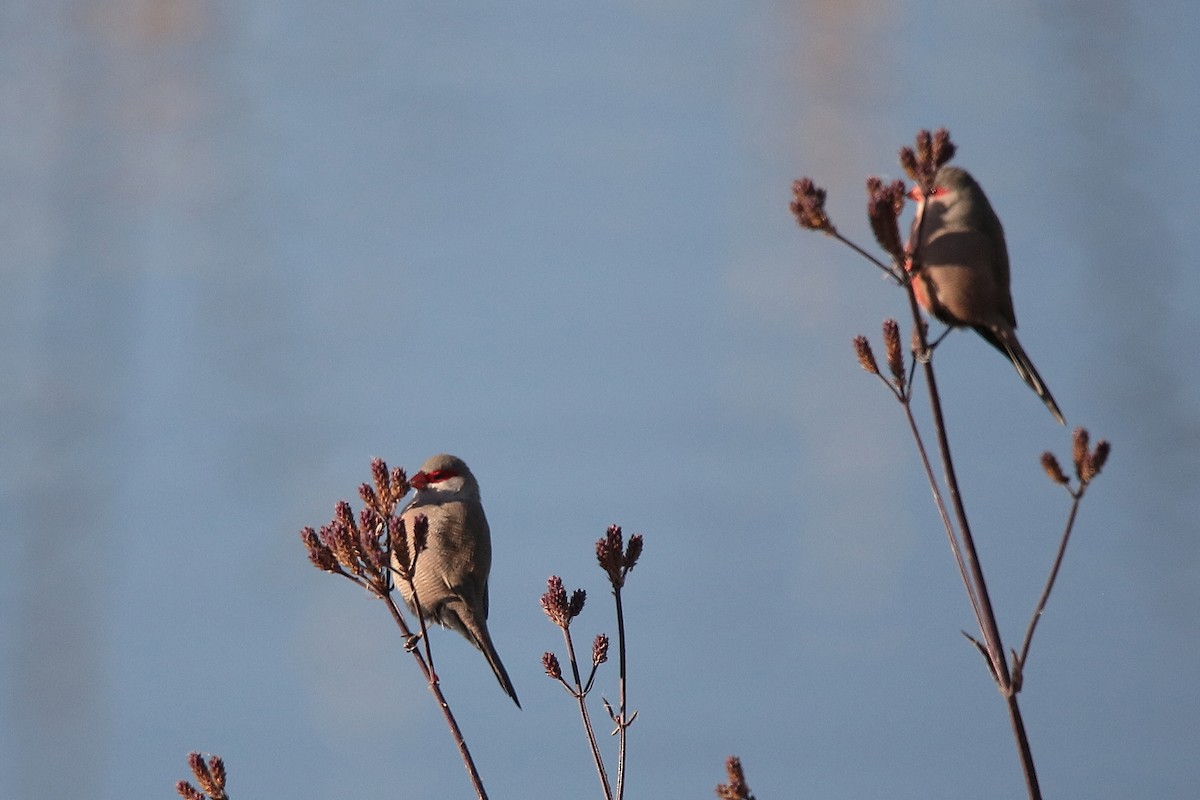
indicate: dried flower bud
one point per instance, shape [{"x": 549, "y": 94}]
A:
[
  {"x": 633, "y": 551},
  {"x": 554, "y": 602},
  {"x": 217, "y": 767},
  {"x": 212, "y": 781},
  {"x": 210, "y": 776},
  {"x": 924, "y": 142},
  {"x": 342, "y": 541},
  {"x": 379, "y": 474},
  {"x": 1079, "y": 452},
  {"x": 943, "y": 148},
  {"x": 1094, "y": 462},
  {"x": 616, "y": 564},
  {"x": 1100, "y": 455},
  {"x": 866, "y": 358},
  {"x": 600, "y": 650},
  {"x": 808, "y": 206},
  {"x": 578, "y": 597},
  {"x": 608, "y": 553},
  {"x": 320, "y": 555},
  {"x": 932, "y": 151},
  {"x": 1050, "y": 465},
  {"x": 736, "y": 789},
  {"x": 188, "y": 792},
  {"x": 908, "y": 160},
  {"x": 420, "y": 534},
  {"x": 368, "y": 519},
  {"x": 369, "y": 535},
  {"x": 399, "y": 484},
  {"x": 369, "y": 496},
  {"x": 884, "y": 204},
  {"x": 398, "y": 539},
  {"x": 550, "y": 664},
  {"x": 342, "y": 513},
  {"x": 895, "y": 353}
]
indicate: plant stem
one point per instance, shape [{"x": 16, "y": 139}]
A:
[
  {"x": 622, "y": 723},
  {"x": 581, "y": 698},
  {"x": 435, "y": 687},
  {"x": 1058, "y": 559},
  {"x": 976, "y": 585}
]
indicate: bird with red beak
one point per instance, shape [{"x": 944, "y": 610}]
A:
[
  {"x": 960, "y": 269},
  {"x": 451, "y": 576}
]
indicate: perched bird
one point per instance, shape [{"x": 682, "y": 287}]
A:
[
  {"x": 451, "y": 576},
  {"x": 963, "y": 262}
]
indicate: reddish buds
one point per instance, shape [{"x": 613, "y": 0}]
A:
[
  {"x": 884, "y": 204},
  {"x": 558, "y": 608},
  {"x": 736, "y": 789},
  {"x": 932, "y": 151},
  {"x": 895, "y": 353},
  {"x": 551, "y": 666},
  {"x": 210, "y": 776},
  {"x": 318, "y": 553},
  {"x": 1088, "y": 462},
  {"x": 808, "y": 206},
  {"x": 612, "y": 560},
  {"x": 600, "y": 650},
  {"x": 866, "y": 358},
  {"x": 1052, "y": 468}
]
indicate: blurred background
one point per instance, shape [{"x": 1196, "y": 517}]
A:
[{"x": 249, "y": 246}]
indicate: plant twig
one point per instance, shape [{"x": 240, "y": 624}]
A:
[
  {"x": 1088, "y": 464},
  {"x": 561, "y": 611},
  {"x": 617, "y": 560},
  {"x": 581, "y": 697}
]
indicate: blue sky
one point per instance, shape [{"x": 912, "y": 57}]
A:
[{"x": 250, "y": 246}]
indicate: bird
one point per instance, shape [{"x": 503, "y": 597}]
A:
[
  {"x": 451, "y": 575},
  {"x": 962, "y": 271}
]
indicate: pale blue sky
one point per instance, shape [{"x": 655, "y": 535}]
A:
[{"x": 248, "y": 246}]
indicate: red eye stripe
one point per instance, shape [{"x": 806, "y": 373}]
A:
[
  {"x": 423, "y": 479},
  {"x": 439, "y": 475}
]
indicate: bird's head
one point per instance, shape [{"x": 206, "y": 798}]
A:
[
  {"x": 955, "y": 201},
  {"x": 445, "y": 474}
]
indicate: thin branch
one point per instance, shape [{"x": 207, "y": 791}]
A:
[
  {"x": 581, "y": 698},
  {"x": 622, "y": 723},
  {"x": 890, "y": 271},
  {"x": 436, "y": 688},
  {"x": 940, "y": 503},
  {"x": 1058, "y": 559}
]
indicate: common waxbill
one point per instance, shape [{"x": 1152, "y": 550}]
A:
[
  {"x": 963, "y": 261},
  {"x": 452, "y": 572}
]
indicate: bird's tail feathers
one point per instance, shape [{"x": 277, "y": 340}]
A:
[
  {"x": 475, "y": 628},
  {"x": 1005, "y": 340}
]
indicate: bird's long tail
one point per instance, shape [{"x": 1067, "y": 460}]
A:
[
  {"x": 476, "y": 629},
  {"x": 1005, "y": 340}
]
